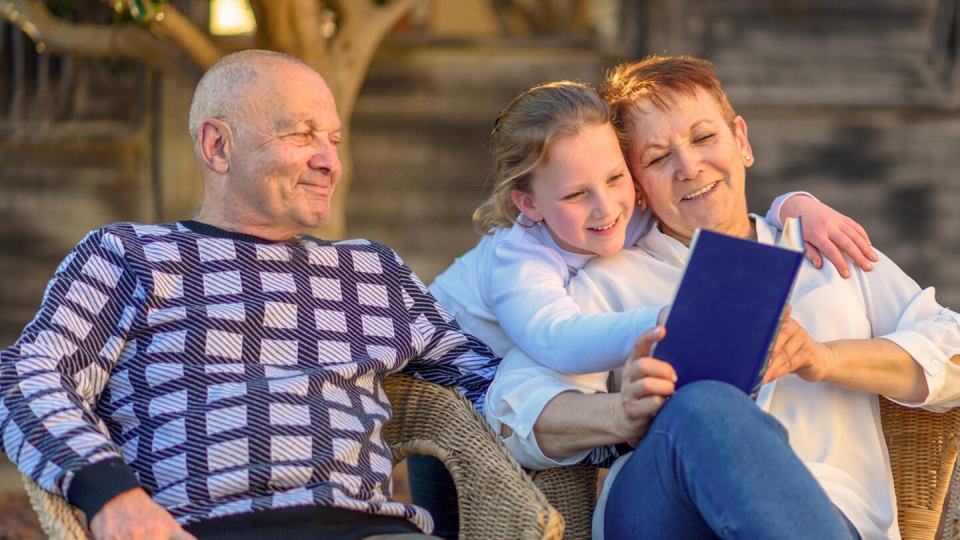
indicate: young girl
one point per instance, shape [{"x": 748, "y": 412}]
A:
[{"x": 562, "y": 195}]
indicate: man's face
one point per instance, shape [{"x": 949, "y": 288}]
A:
[
  {"x": 284, "y": 165},
  {"x": 583, "y": 192},
  {"x": 691, "y": 165}
]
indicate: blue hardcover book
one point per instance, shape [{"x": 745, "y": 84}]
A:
[{"x": 727, "y": 310}]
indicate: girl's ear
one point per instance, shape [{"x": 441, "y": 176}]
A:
[{"x": 524, "y": 203}]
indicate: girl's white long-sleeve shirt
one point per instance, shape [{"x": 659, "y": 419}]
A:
[{"x": 510, "y": 290}]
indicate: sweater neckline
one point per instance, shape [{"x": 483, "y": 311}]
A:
[{"x": 211, "y": 230}]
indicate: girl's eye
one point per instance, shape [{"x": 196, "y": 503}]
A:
[
  {"x": 615, "y": 179},
  {"x": 573, "y": 196}
]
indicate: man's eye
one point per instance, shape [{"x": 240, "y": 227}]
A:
[{"x": 335, "y": 141}]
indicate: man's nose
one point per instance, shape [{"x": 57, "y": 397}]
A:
[{"x": 325, "y": 158}]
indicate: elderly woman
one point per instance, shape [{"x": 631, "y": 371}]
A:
[{"x": 707, "y": 461}]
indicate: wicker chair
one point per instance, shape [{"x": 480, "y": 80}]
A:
[
  {"x": 496, "y": 498},
  {"x": 923, "y": 454}
]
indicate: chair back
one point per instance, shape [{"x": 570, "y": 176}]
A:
[{"x": 923, "y": 449}]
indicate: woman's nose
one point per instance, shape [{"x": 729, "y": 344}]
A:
[{"x": 689, "y": 163}]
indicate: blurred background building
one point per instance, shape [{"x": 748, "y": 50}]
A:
[{"x": 855, "y": 101}]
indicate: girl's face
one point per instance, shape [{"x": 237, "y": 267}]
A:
[{"x": 583, "y": 192}]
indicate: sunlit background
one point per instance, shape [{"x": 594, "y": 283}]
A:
[{"x": 855, "y": 101}]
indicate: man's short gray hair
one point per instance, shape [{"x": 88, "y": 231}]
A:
[{"x": 224, "y": 85}]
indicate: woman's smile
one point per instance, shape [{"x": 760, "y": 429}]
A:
[{"x": 701, "y": 193}]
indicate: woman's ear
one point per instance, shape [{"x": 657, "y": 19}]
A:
[
  {"x": 641, "y": 199},
  {"x": 525, "y": 204},
  {"x": 743, "y": 143},
  {"x": 214, "y": 141}
]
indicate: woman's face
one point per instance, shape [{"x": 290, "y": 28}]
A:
[{"x": 691, "y": 166}]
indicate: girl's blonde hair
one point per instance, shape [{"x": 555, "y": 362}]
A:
[{"x": 522, "y": 136}]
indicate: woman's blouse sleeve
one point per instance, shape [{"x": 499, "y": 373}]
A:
[{"x": 900, "y": 311}]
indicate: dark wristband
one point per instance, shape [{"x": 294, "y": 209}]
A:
[{"x": 94, "y": 485}]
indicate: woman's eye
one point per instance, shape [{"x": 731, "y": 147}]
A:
[
  {"x": 703, "y": 138},
  {"x": 657, "y": 160}
]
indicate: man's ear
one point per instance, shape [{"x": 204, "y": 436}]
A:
[
  {"x": 524, "y": 203},
  {"x": 214, "y": 140}
]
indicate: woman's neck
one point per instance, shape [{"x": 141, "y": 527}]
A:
[{"x": 746, "y": 229}]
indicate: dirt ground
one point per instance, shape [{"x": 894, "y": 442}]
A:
[{"x": 17, "y": 520}]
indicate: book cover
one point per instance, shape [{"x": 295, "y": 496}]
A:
[{"x": 726, "y": 313}]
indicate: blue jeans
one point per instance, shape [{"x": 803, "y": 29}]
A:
[
  {"x": 714, "y": 465},
  {"x": 432, "y": 488}
]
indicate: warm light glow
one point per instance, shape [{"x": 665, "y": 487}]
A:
[{"x": 231, "y": 18}]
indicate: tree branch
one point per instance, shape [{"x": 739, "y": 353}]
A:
[
  {"x": 363, "y": 28},
  {"x": 50, "y": 33},
  {"x": 168, "y": 20},
  {"x": 306, "y": 21},
  {"x": 274, "y": 17}
]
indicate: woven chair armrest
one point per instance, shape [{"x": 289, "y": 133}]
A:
[
  {"x": 60, "y": 520},
  {"x": 496, "y": 498},
  {"x": 572, "y": 491},
  {"x": 923, "y": 449}
]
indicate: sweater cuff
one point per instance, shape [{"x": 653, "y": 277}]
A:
[{"x": 95, "y": 485}]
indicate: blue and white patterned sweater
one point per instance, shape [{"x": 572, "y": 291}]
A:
[{"x": 225, "y": 373}]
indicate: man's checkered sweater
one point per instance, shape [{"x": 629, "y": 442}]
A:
[{"x": 224, "y": 373}]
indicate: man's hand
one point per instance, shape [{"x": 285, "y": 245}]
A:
[
  {"x": 133, "y": 515},
  {"x": 828, "y": 233},
  {"x": 645, "y": 384},
  {"x": 796, "y": 352}
]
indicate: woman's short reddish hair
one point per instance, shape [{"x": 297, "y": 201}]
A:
[{"x": 657, "y": 80}]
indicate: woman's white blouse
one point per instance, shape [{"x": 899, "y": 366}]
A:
[{"x": 835, "y": 432}]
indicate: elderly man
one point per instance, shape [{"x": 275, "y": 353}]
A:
[{"x": 224, "y": 374}]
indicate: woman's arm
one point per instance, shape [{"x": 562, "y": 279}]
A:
[
  {"x": 573, "y": 422},
  {"x": 877, "y": 366}
]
